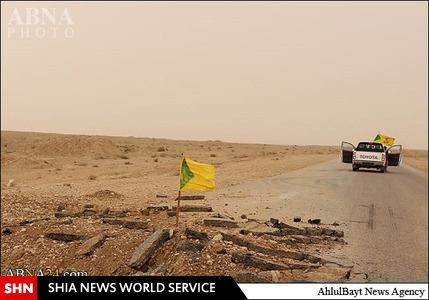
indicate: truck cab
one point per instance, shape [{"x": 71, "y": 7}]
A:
[{"x": 370, "y": 155}]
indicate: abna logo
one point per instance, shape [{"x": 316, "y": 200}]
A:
[{"x": 40, "y": 23}]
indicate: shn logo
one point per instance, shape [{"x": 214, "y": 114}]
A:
[
  {"x": 40, "y": 23},
  {"x": 18, "y": 288}
]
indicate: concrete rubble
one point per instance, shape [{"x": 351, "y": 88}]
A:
[{"x": 145, "y": 250}]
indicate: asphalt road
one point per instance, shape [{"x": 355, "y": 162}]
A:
[{"x": 384, "y": 216}]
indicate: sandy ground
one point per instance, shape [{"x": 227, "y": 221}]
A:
[{"x": 71, "y": 183}]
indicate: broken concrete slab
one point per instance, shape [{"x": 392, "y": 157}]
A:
[
  {"x": 218, "y": 222},
  {"x": 195, "y": 197},
  {"x": 256, "y": 248},
  {"x": 190, "y": 247},
  {"x": 91, "y": 244},
  {"x": 319, "y": 231},
  {"x": 27, "y": 222},
  {"x": 84, "y": 213},
  {"x": 251, "y": 261},
  {"x": 285, "y": 229},
  {"x": 313, "y": 231},
  {"x": 130, "y": 224},
  {"x": 157, "y": 207},
  {"x": 291, "y": 230},
  {"x": 144, "y": 251},
  {"x": 113, "y": 221},
  {"x": 87, "y": 212},
  {"x": 193, "y": 208},
  {"x": 66, "y": 237},
  {"x": 135, "y": 224},
  {"x": 258, "y": 229},
  {"x": 189, "y": 208},
  {"x": 113, "y": 213}
]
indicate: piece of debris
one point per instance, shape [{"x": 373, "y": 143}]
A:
[
  {"x": 314, "y": 221},
  {"x": 26, "y": 222},
  {"x": 90, "y": 245},
  {"x": 66, "y": 237},
  {"x": 286, "y": 229},
  {"x": 130, "y": 224},
  {"x": 297, "y": 219},
  {"x": 144, "y": 251},
  {"x": 190, "y": 247},
  {"x": 84, "y": 213},
  {"x": 193, "y": 208},
  {"x": 220, "y": 222},
  {"x": 135, "y": 224},
  {"x": 258, "y": 229},
  {"x": 6, "y": 231},
  {"x": 189, "y": 208},
  {"x": 112, "y": 213},
  {"x": 196, "y": 197},
  {"x": 257, "y": 248}
]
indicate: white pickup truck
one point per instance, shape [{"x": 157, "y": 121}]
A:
[{"x": 370, "y": 155}]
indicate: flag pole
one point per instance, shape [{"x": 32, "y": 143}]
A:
[
  {"x": 178, "y": 209},
  {"x": 178, "y": 195}
]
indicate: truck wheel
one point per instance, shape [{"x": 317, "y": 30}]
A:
[
  {"x": 355, "y": 168},
  {"x": 383, "y": 169}
]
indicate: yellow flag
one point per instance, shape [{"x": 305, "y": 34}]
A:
[
  {"x": 195, "y": 176},
  {"x": 384, "y": 139}
]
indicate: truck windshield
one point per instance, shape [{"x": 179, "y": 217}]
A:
[{"x": 374, "y": 147}]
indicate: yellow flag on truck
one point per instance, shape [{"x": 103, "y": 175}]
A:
[
  {"x": 384, "y": 139},
  {"x": 195, "y": 176}
]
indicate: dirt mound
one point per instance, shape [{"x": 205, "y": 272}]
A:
[{"x": 78, "y": 145}]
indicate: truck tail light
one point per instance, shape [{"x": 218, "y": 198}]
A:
[
  {"x": 354, "y": 155},
  {"x": 383, "y": 157}
]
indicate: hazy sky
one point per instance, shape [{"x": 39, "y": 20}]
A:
[{"x": 265, "y": 72}]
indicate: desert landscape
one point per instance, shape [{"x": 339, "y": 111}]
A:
[{"x": 99, "y": 205}]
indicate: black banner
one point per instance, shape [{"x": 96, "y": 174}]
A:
[{"x": 139, "y": 287}]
